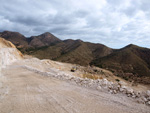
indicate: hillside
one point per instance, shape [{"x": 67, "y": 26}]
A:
[
  {"x": 16, "y": 38},
  {"x": 20, "y": 41},
  {"x": 130, "y": 62},
  {"x": 48, "y": 46},
  {"x": 71, "y": 51},
  {"x": 45, "y": 39},
  {"x": 32, "y": 85}
]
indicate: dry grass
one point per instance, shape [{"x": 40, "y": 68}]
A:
[{"x": 91, "y": 76}]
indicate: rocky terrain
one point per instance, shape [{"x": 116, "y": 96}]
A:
[
  {"x": 103, "y": 83},
  {"x": 31, "y": 85}
]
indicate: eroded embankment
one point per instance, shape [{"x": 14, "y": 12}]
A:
[{"x": 8, "y": 55}]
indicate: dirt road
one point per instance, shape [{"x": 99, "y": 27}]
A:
[{"x": 24, "y": 91}]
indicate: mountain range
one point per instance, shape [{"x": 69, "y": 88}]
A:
[{"x": 131, "y": 62}]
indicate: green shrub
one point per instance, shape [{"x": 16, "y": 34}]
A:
[{"x": 117, "y": 80}]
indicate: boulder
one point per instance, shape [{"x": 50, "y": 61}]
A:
[
  {"x": 99, "y": 88},
  {"x": 129, "y": 91},
  {"x": 148, "y": 102},
  {"x": 148, "y": 93}
]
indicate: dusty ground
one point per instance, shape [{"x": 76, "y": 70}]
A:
[
  {"x": 45, "y": 64},
  {"x": 23, "y": 91}
]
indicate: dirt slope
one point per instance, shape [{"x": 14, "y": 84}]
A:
[{"x": 8, "y": 53}]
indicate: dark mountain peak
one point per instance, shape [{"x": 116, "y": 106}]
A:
[
  {"x": 8, "y": 34},
  {"x": 79, "y": 40},
  {"x": 130, "y": 46},
  {"x": 46, "y": 34},
  {"x": 45, "y": 39},
  {"x": 72, "y": 40},
  {"x": 134, "y": 47},
  {"x": 7, "y": 31},
  {"x": 15, "y": 37},
  {"x": 68, "y": 41}
]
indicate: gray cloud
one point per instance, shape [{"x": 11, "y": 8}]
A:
[{"x": 114, "y": 23}]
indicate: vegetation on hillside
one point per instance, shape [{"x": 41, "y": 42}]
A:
[{"x": 131, "y": 62}]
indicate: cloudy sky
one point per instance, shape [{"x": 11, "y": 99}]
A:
[{"x": 114, "y": 23}]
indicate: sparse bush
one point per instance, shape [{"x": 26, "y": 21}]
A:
[
  {"x": 125, "y": 78},
  {"x": 112, "y": 71},
  {"x": 117, "y": 80}
]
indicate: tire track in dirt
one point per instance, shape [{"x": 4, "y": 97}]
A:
[
  {"x": 52, "y": 100},
  {"x": 32, "y": 93}
]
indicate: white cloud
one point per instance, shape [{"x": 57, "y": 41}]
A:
[{"x": 114, "y": 23}]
